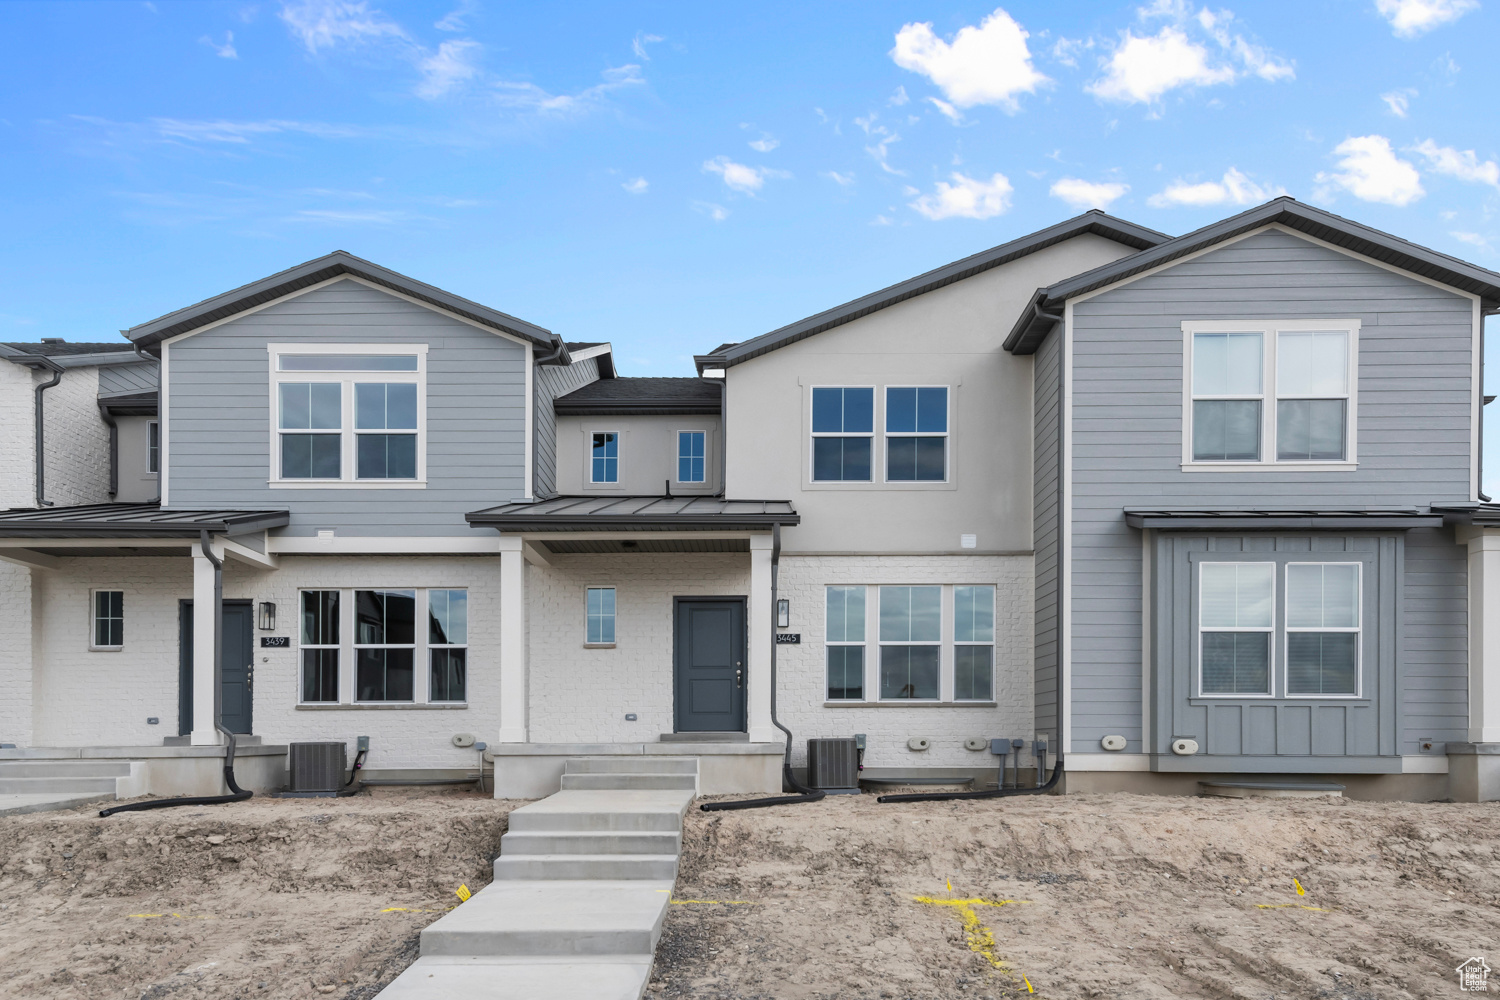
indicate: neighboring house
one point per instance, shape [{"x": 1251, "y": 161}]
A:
[{"x": 1203, "y": 508}]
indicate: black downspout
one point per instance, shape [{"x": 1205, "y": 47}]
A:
[
  {"x": 236, "y": 793},
  {"x": 790, "y": 780},
  {"x": 41, "y": 454}
]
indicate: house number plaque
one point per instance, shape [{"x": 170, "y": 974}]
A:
[{"x": 275, "y": 641}]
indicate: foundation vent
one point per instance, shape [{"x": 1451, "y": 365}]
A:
[
  {"x": 833, "y": 763},
  {"x": 316, "y": 767}
]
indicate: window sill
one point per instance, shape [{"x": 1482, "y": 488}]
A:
[
  {"x": 384, "y": 707},
  {"x": 1269, "y": 466},
  {"x": 106, "y": 649},
  {"x": 598, "y": 645},
  {"x": 347, "y": 484},
  {"x": 910, "y": 704}
]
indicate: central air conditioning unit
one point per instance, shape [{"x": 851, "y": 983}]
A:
[
  {"x": 317, "y": 767},
  {"x": 833, "y": 765}
]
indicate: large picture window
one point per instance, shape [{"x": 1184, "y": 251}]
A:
[
  {"x": 1236, "y": 620},
  {"x": 348, "y": 417},
  {"x": 911, "y": 633},
  {"x": 319, "y": 621},
  {"x": 448, "y": 644},
  {"x": 916, "y": 428},
  {"x": 843, "y": 430},
  {"x": 845, "y": 640},
  {"x": 1322, "y": 629},
  {"x": 384, "y": 644},
  {"x": 973, "y": 643}
]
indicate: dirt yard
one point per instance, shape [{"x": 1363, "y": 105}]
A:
[
  {"x": 266, "y": 898},
  {"x": 1116, "y": 896}
]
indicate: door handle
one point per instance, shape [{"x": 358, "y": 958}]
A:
[{"x": 739, "y": 677}]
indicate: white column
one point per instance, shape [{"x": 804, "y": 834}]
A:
[
  {"x": 204, "y": 637},
  {"x": 1484, "y": 634},
  {"x": 512, "y": 640},
  {"x": 759, "y": 619}
]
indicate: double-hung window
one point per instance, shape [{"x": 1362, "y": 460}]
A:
[
  {"x": 916, "y": 428},
  {"x": 108, "y": 619},
  {"x": 1236, "y": 622},
  {"x": 1322, "y": 629},
  {"x": 973, "y": 643},
  {"x": 384, "y": 644},
  {"x": 352, "y": 416},
  {"x": 911, "y": 633},
  {"x": 448, "y": 644},
  {"x": 845, "y": 640},
  {"x": 690, "y": 456},
  {"x": 604, "y": 457},
  {"x": 1265, "y": 395},
  {"x": 320, "y": 645},
  {"x": 599, "y": 616},
  {"x": 843, "y": 431}
]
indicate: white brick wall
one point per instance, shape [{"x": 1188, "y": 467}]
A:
[
  {"x": 18, "y": 417},
  {"x": 15, "y": 654},
  {"x": 77, "y": 440},
  {"x": 582, "y": 695},
  {"x": 802, "y": 672}
]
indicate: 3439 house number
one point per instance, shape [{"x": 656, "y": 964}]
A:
[{"x": 275, "y": 641}]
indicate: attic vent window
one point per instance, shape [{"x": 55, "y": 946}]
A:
[{"x": 348, "y": 362}]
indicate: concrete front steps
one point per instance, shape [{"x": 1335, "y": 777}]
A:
[
  {"x": 40, "y": 785},
  {"x": 581, "y": 888}
]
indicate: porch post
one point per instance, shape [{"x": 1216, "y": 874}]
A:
[
  {"x": 512, "y": 640},
  {"x": 759, "y": 621},
  {"x": 204, "y": 734},
  {"x": 1484, "y": 635}
]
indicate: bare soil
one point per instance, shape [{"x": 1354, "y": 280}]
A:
[
  {"x": 268, "y": 898},
  {"x": 1118, "y": 896}
]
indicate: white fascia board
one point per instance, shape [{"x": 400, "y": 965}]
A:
[
  {"x": 303, "y": 545},
  {"x": 591, "y": 352}
]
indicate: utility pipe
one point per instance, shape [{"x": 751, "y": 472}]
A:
[{"x": 42, "y": 361}]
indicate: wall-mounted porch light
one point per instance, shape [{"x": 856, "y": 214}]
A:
[
  {"x": 783, "y": 613},
  {"x": 267, "y": 616}
]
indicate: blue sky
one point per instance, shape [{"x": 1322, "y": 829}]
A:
[{"x": 670, "y": 176}]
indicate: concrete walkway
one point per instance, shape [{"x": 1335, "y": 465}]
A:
[{"x": 581, "y": 888}]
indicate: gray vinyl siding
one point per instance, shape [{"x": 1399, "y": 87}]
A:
[
  {"x": 553, "y": 381},
  {"x": 1435, "y": 684},
  {"x": 1413, "y": 446},
  {"x": 219, "y": 419},
  {"x": 139, "y": 377},
  {"x": 1045, "y": 507}
]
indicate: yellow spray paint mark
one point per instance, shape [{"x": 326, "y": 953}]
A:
[
  {"x": 1300, "y": 891},
  {"x": 981, "y": 939},
  {"x": 417, "y": 909},
  {"x": 1283, "y": 906},
  {"x": 463, "y": 893},
  {"x": 179, "y": 916},
  {"x": 712, "y": 902},
  {"x": 1029, "y": 987},
  {"x": 950, "y": 885}
]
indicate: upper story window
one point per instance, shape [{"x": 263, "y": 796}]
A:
[
  {"x": 916, "y": 428},
  {"x": 1266, "y": 395},
  {"x": 691, "y": 467},
  {"x": 843, "y": 430},
  {"x": 353, "y": 416},
  {"x": 604, "y": 459}
]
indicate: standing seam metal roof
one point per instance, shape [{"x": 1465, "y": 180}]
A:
[{"x": 579, "y": 513}]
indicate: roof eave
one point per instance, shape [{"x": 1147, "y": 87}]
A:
[{"x": 634, "y": 522}]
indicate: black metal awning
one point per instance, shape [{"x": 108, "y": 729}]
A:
[
  {"x": 1282, "y": 520},
  {"x": 658, "y": 513},
  {"x": 133, "y": 520}
]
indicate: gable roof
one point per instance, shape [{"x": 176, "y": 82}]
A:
[
  {"x": 622, "y": 396},
  {"x": 1032, "y": 326},
  {"x": 1092, "y": 222},
  {"x": 312, "y": 272}
]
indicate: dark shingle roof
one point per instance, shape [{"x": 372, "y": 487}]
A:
[
  {"x": 642, "y": 396},
  {"x": 637, "y": 513},
  {"x": 66, "y": 348}
]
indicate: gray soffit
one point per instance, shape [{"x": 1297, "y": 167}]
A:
[
  {"x": 1092, "y": 222},
  {"x": 657, "y": 513},
  {"x": 129, "y": 404},
  {"x": 63, "y": 349},
  {"x": 323, "y": 268},
  {"x": 1281, "y": 520},
  {"x": 1031, "y": 329},
  {"x": 642, "y": 396},
  {"x": 133, "y": 520}
]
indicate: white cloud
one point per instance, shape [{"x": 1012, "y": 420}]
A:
[
  {"x": 765, "y": 143},
  {"x": 1398, "y": 101},
  {"x": 324, "y": 24},
  {"x": 1083, "y": 194},
  {"x": 989, "y": 64},
  {"x": 225, "y": 51},
  {"x": 1067, "y": 50},
  {"x": 530, "y": 97},
  {"x": 1463, "y": 164},
  {"x": 450, "y": 65},
  {"x": 243, "y": 132},
  {"x": 1234, "y": 189},
  {"x": 739, "y": 177},
  {"x": 1410, "y": 18},
  {"x": 639, "y": 43},
  {"x": 898, "y": 98},
  {"x": 1371, "y": 171},
  {"x": 1473, "y": 239},
  {"x": 716, "y": 212},
  {"x": 949, "y": 111},
  {"x": 457, "y": 19},
  {"x": 636, "y": 185},
  {"x": 882, "y": 138},
  {"x": 1141, "y": 68},
  {"x": 966, "y": 198},
  {"x": 842, "y": 180}
]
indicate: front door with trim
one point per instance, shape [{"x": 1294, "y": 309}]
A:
[
  {"x": 237, "y": 683},
  {"x": 709, "y": 664}
]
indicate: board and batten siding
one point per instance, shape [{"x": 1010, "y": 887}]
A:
[
  {"x": 1046, "y": 392},
  {"x": 219, "y": 421},
  {"x": 1414, "y": 427},
  {"x": 553, "y": 381}
]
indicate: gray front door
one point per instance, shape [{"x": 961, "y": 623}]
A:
[
  {"x": 237, "y": 683},
  {"x": 709, "y": 665}
]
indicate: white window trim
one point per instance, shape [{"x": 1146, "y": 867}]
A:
[
  {"x": 677, "y": 458},
  {"x": 348, "y": 434},
  {"x": 956, "y": 642},
  {"x": 945, "y": 658},
  {"x": 614, "y": 617},
  {"x": 862, "y": 642},
  {"x": 424, "y": 625},
  {"x": 338, "y": 647},
  {"x": 876, "y": 419},
  {"x": 1271, "y": 673},
  {"x": 153, "y": 455},
  {"x": 1268, "y": 329},
  {"x": 588, "y": 458},
  {"x": 1358, "y": 630},
  {"x": 94, "y": 620},
  {"x": 886, "y": 435},
  {"x": 421, "y": 688}
]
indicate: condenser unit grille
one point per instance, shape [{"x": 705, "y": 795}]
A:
[
  {"x": 832, "y": 763},
  {"x": 317, "y": 767}
]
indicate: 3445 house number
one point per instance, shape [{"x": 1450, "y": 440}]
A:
[{"x": 788, "y": 638}]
